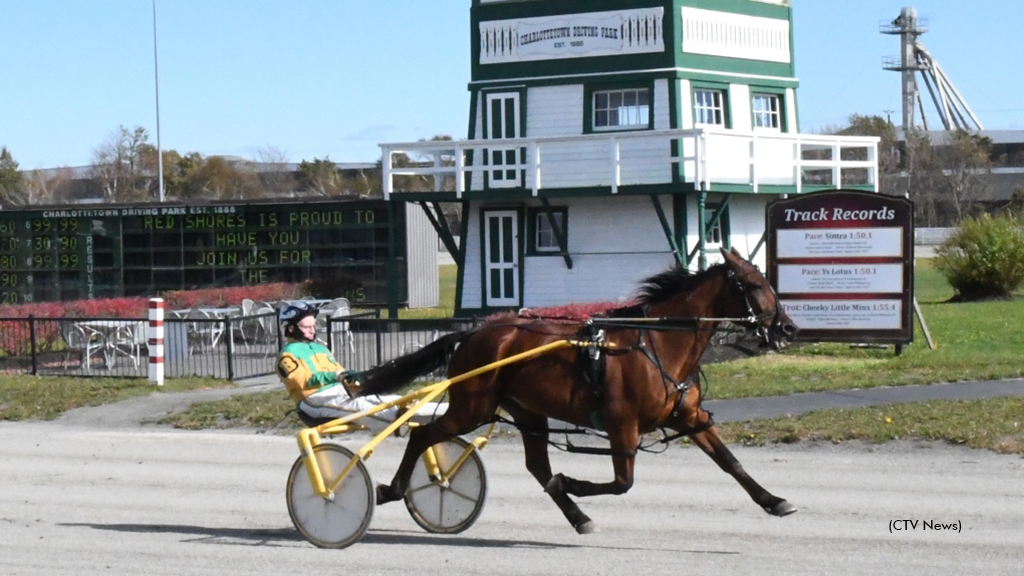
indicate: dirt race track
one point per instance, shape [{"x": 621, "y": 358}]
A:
[{"x": 85, "y": 501}]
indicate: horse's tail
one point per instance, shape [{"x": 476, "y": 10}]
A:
[{"x": 398, "y": 373}]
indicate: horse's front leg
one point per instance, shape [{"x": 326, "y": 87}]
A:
[{"x": 709, "y": 441}]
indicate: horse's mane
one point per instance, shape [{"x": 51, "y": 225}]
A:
[{"x": 664, "y": 285}]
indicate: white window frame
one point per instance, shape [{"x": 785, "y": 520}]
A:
[
  {"x": 628, "y": 108},
  {"x": 711, "y": 233},
  {"x": 714, "y": 235},
  {"x": 545, "y": 239},
  {"x": 501, "y": 274},
  {"x": 504, "y": 160},
  {"x": 709, "y": 103},
  {"x": 767, "y": 111}
]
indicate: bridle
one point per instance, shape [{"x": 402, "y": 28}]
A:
[{"x": 761, "y": 328}]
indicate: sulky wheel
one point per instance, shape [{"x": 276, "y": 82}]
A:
[
  {"x": 448, "y": 508},
  {"x": 335, "y": 522}
]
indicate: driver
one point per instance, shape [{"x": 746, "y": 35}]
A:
[{"x": 318, "y": 383}]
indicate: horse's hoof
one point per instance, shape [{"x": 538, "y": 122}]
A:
[
  {"x": 384, "y": 494},
  {"x": 588, "y": 527},
  {"x": 554, "y": 486},
  {"x": 781, "y": 508}
]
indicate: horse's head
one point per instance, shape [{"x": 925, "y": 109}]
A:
[{"x": 762, "y": 306}]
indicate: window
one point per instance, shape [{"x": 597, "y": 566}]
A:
[
  {"x": 715, "y": 234},
  {"x": 622, "y": 109},
  {"x": 708, "y": 107},
  {"x": 542, "y": 235},
  {"x": 766, "y": 112}
]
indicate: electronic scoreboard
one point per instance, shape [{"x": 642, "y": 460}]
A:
[{"x": 102, "y": 251}]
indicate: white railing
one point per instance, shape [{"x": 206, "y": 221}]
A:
[{"x": 707, "y": 156}]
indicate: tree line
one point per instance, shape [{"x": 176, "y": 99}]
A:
[
  {"x": 125, "y": 170},
  {"x": 948, "y": 181}
]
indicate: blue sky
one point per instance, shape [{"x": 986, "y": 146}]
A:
[{"x": 334, "y": 78}]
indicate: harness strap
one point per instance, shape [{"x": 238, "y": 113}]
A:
[{"x": 568, "y": 446}]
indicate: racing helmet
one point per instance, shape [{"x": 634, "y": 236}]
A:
[{"x": 292, "y": 314}]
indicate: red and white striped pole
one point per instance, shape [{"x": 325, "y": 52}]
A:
[{"x": 155, "y": 334}]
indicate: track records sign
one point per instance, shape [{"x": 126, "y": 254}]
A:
[{"x": 842, "y": 265}]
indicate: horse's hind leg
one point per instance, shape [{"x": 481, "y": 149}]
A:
[
  {"x": 534, "y": 430},
  {"x": 709, "y": 441},
  {"x": 420, "y": 438}
]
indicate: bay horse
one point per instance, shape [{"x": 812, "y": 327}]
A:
[{"x": 649, "y": 361}]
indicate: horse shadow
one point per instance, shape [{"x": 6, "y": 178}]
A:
[{"x": 289, "y": 536}]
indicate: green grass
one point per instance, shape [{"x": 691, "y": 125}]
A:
[
  {"x": 974, "y": 341},
  {"x": 995, "y": 424},
  {"x": 261, "y": 410},
  {"x": 47, "y": 397},
  {"x": 929, "y": 284}
]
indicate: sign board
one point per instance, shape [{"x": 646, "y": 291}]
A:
[
  {"x": 842, "y": 264},
  {"x": 611, "y": 33},
  {"x": 108, "y": 251}
]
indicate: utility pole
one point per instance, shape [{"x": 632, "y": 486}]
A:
[
  {"x": 156, "y": 78},
  {"x": 953, "y": 110}
]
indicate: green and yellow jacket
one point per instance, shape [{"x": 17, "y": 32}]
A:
[{"x": 305, "y": 368}]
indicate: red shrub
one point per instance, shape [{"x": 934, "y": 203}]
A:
[
  {"x": 15, "y": 337},
  {"x": 220, "y": 297},
  {"x": 39, "y": 310},
  {"x": 109, "y": 308}
]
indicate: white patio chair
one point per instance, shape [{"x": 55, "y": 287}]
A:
[
  {"x": 333, "y": 309},
  {"x": 265, "y": 332},
  {"x": 340, "y": 330},
  {"x": 202, "y": 335},
  {"x": 248, "y": 327},
  {"x": 125, "y": 342},
  {"x": 83, "y": 342}
]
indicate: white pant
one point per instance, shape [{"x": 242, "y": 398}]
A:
[{"x": 335, "y": 402}]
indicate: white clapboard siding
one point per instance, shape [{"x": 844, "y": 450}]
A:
[
  {"x": 613, "y": 243},
  {"x": 626, "y": 224},
  {"x": 739, "y": 104},
  {"x": 645, "y": 162},
  {"x": 728, "y": 160},
  {"x": 593, "y": 278},
  {"x": 421, "y": 242},
  {"x": 554, "y": 111},
  {"x": 774, "y": 161},
  {"x": 661, "y": 117},
  {"x": 472, "y": 292},
  {"x": 746, "y": 226},
  {"x": 591, "y": 163}
]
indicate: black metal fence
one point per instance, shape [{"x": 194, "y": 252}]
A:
[
  {"x": 362, "y": 341},
  {"x": 231, "y": 348}
]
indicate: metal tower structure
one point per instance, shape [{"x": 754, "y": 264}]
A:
[{"x": 953, "y": 110}]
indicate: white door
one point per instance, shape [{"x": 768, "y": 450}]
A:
[
  {"x": 501, "y": 258},
  {"x": 503, "y": 122}
]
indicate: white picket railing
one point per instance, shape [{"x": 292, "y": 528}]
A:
[{"x": 707, "y": 157}]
